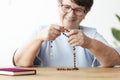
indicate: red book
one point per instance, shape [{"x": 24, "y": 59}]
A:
[{"x": 17, "y": 71}]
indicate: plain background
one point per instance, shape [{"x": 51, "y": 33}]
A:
[{"x": 18, "y": 18}]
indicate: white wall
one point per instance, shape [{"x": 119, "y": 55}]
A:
[
  {"x": 102, "y": 17},
  {"x": 19, "y": 17}
]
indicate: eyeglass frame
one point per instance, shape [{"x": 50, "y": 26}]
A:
[{"x": 74, "y": 10}]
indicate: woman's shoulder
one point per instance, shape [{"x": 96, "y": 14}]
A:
[
  {"x": 88, "y": 30},
  {"x": 85, "y": 28}
]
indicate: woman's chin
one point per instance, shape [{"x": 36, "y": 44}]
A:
[{"x": 68, "y": 26}]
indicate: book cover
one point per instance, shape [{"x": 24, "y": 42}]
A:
[{"x": 17, "y": 71}]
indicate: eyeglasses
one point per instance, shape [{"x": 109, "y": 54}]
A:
[{"x": 67, "y": 9}]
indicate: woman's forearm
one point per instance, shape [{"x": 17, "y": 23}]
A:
[{"x": 107, "y": 56}]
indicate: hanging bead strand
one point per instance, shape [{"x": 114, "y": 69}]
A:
[{"x": 74, "y": 60}]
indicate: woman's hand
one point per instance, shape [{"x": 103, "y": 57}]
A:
[
  {"x": 51, "y": 33},
  {"x": 78, "y": 38}
]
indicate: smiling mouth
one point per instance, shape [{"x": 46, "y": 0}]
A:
[{"x": 70, "y": 20}]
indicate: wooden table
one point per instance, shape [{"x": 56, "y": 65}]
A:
[{"x": 81, "y": 74}]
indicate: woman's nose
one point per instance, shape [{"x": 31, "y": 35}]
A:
[{"x": 71, "y": 13}]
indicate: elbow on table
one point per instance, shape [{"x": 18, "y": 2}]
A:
[{"x": 23, "y": 64}]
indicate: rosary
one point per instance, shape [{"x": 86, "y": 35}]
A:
[{"x": 74, "y": 59}]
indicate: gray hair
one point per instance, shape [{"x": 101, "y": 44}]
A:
[{"x": 85, "y": 3}]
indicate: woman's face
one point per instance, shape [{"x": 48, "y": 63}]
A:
[{"x": 71, "y": 14}]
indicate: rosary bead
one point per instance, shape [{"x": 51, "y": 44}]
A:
[{"x": 67, "y": 69}]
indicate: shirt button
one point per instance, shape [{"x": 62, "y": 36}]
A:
[{"x": 51, "y": 55}]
